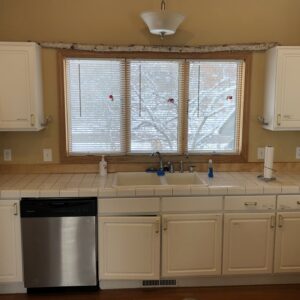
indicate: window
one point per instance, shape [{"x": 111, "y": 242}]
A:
[
  {"x": 94, "y": 105},
  {"x": 215, "y": 99},
  {"x": 130, "y": 105},
  {"x": 155, "y": 98}
]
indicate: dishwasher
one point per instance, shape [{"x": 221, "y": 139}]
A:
[{"x": 59, "y": 241}]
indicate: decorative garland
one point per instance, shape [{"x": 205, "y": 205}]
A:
[{"x": 157, "y": 48}]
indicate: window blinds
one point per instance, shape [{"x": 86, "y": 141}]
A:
[
  {"x": 136, "y": 106},
  {"x": 215, "y": 106},
  {"x": 155, "y": 103},
  {"x": 95, "y": 106}
]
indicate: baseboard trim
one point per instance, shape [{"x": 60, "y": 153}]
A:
[
  {"x": 12, "y": 288},
  {"x": 208, "y": 281}
]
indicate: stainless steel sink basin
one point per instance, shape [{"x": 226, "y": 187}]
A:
[
  {"x": 136, "y": 179},
  {"x": 183, "y": 179}
]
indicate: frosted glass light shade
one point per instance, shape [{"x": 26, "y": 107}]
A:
[{"x": 162, "y": 22}]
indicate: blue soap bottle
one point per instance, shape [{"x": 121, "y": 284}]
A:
[{"x": 210, "y": 169}]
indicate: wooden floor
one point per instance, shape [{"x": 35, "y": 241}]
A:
[{"x": 274, "y": 292}]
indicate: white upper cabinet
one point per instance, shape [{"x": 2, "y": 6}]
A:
[
  {"x": 282, "y": 89},
  {"x": 21, "y": 94}
]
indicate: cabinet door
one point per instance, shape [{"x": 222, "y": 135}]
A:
[
  {"x": 20, "y": 87},
  {"x": 10, "y": 245},
  {"x": 248, "y": 243},
  {"x": 129, "y": 247},
  {"x": 287, "y": 245},
  {"x": 288, "y": 88},
  {"x": 191, "y": 245}
]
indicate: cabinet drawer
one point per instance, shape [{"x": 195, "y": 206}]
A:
[
  {"x": 286, "y": 202},
  {"x": 128, "y": 205},
  {"x": 191, "y": 204},
  {"x": 247, "y": 203}
]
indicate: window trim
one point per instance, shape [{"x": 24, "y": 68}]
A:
[{"x": 135, "y": 158}]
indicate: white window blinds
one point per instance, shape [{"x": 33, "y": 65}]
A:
[
  {"x": 137, "y": 106},
  {"x": 155, "y": 103},
  {"x": 215, "y": 106},
  {"x": 95, "y": 105}
]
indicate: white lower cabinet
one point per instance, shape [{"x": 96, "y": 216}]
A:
[
  {"x": 10, "y": 245},
  {"x": 129, "y": 247},
  {"x": 248, "y": 243},
  {"x": 287, "y": 245},
  {"x": 191, "y": 245}
]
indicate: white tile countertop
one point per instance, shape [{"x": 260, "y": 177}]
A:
[{"x": 14, "y": 186}]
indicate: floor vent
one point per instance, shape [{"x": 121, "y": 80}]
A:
[{"x": 164, "y": 282}]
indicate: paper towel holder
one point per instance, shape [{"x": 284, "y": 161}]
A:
[{"x": 261, "y": 177}]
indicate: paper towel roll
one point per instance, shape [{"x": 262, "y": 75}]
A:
[{"x": 268, "y": 163}]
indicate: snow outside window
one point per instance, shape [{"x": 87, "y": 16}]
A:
[
  {"x": 214, "y": 115},
  {"x": 94, "y": 106},
  {"x": 139, "y": 106},
  {"x": 155, "y": 104}
]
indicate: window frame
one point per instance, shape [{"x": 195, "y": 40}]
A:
[{"x": 246, "y": 56}]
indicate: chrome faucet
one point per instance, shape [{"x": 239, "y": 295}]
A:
[
  {"x": 181, "y": 167},
  {"x": 161, "y": 164}
]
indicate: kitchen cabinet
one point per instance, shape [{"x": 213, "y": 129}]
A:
[
  {"x": 282, "y": 89},
  {"x": 248, "y": 243},
  {"x": 129, "y": 247},
  {"x": 249, "y": 232},
  {"x": 21, "y": 94},
  {"x": 191, "y": 245},
  {"x": 10, "y": 245},
  {"x": 287, "y": 244}
]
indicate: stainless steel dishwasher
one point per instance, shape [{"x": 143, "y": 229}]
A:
[{"x": 59, "y": 239}]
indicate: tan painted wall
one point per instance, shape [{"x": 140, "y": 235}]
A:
[{"x": 117, "y": 22}]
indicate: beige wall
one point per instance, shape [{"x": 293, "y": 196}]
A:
[{"x": 117, "y": 22}]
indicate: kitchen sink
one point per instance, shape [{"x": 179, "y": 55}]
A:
[
  {"x": 123, "y": 179},
  {"x": 136, "y": 179},
  {"x": 183, "y": 179}
]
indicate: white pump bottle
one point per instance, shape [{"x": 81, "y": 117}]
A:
[{"x": 103, "y": 167}]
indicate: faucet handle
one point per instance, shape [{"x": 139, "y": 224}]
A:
[{"x": 170, "y": 167}]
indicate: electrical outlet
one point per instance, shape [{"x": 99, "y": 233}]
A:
[
  {"x": 7, "y": 155},
  {"x": 297, "y": 152},
  {"x": 260, "y": 153},
  {"x": 47, "y": 154}
]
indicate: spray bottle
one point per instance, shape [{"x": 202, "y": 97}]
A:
[{"x": 210, "y": 169}]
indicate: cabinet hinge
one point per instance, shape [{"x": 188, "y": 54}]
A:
[
  {"x": 157, "y": 226},
  {"x": 280, "y": 221},
  {"x": 15, "y": 209},
  {"x": 279, "y": 119},
  {"x": 273, "y": 222},
  {"x": 165, "y": 223},
  {"x": 32, "y": 119}
]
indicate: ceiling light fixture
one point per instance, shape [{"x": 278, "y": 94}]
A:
[{"x": 162, "y": 22}]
